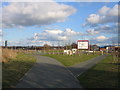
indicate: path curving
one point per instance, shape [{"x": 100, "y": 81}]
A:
[
  {"x": 78, "y": 69},
  {"x": 48, "y": 73}
]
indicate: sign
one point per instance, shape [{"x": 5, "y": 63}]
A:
[{"x": 83, "y": 44}]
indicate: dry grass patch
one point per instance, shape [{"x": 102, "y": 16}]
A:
[
  {"x": 16, "y": 65},
  {"x": 8, "y": 54}
]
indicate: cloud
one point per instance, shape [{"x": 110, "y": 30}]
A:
[
  {"x": 105, "y": 41},
  {"x": 109, "y": 29},
  {"x": 105, "y": 15},
  {"x": 92, "y": 32},
  {"x": 17, "y": 15},
  {"x": 100, "y": 38},
  {"x": 109, "y": 11},
  {"x": 114, "y": 40},
  {"x": 27, "y": 43},
  {"x": 104, "y": 10},
  {"x": 1, "y": 33},
  {"x": 52, "y": 35},
  {"x": 105, "y": 21},
  {"x": 55, "y": 35},
  {"x": 113, "y": 29},
  {"x": 47, "y": 37},
  {"x": 93, "y": 18},
  {"x": 69, "y": 32}
]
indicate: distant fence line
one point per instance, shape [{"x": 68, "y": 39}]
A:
[{"x": 33, "y": 47}]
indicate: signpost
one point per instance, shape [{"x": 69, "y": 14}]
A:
[{"x": 83, "y": 44}]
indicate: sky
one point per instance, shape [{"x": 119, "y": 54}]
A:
[{"x": 33, "y": 23}]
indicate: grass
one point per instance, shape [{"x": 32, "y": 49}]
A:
[
  {"x": 14, "y": 69},
  {"x": 8, "y": 54},
  {"x": 53, "y": 51},
  {"x": 102, "y": 75},
  {"x": 71, "y": 60}
]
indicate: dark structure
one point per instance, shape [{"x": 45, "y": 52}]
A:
[
  {"x": 94, "y": 48},
  {"x": 33, "y": 47},
  {"x": 74, "y": 45},
  {"x": 6, "y": 44}
]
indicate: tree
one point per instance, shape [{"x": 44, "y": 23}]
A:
[
  {"x": 46, "y": 47},
  {"x": 94, "y": 48},
  {"x": 74, "y": 45}
]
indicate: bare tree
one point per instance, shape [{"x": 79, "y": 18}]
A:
[{"x": 46, "y": 47}]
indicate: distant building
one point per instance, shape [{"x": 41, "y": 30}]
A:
[
  {"x": 94, "y": 48},
  {"x": 74, "y": 45},
  {"x": 113, "y": 48},
  {"x": 103, "y": 49},
  {"x": 110, "y": 48}
]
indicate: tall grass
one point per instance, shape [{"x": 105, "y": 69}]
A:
[
  {"x": 16, "y": 64},
  {"x": 0, "y": 54},
  {"x": 8, "y": 54}
]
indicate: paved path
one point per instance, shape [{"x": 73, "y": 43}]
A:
[
  {"x": 78, "y": 69},
  {"x": 48, "y": 73}
]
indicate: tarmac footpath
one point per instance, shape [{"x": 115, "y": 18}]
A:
[
  {"x": 48, "y": 73},
  {"x": 80, "y": 68}
]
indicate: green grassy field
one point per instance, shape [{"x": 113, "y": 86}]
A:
[
  {"x": 102, "y": 75},
  {"x": 52, "y": 51},
  {"x": 15, "y": 69},
  {"x": 71, "y": 60}
]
